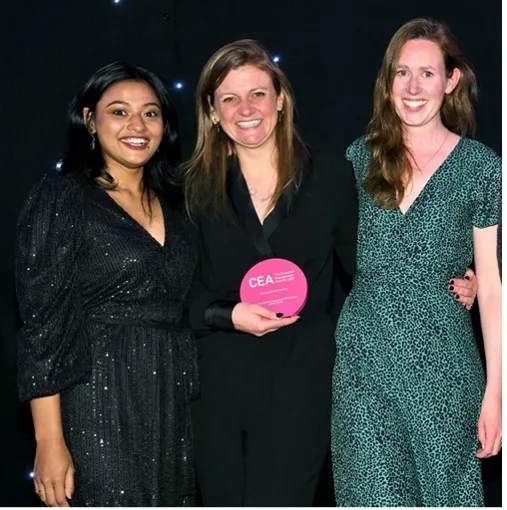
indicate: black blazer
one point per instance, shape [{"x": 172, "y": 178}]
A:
[{"x": 317, "y": 231}]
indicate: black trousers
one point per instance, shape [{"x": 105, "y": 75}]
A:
[{"x": 261, "y": 428}]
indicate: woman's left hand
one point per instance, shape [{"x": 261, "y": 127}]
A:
[
  {"x": 464, "y": 291},
  {"x": 489, "y": 428}
]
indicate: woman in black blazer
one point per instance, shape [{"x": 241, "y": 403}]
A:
[{"x": 254, "y": 192}]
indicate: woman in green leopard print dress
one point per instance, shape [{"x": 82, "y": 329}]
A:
[{"x": 410, "y": 403}]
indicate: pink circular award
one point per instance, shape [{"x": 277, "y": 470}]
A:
[{"x": 277, "y": 284}]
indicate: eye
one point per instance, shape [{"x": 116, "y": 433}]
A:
[
  {"x": 402, "y": 72},
  {"x": 119, "y": 113},
  {"x": 152, "y": 114},
  {"x": 227, "y": 99},
  {"x": 428, "y": 74},
  {"x": 259, "y": 93}
]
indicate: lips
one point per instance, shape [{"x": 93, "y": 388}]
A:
[
  {"x": 248, "y": 124},
  {"x": 414, "y": 104},
  {"x": 136, "y": 143}
]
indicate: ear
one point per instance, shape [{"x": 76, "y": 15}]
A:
[
  {"x": 279, "y": 101},
  {"x": 88, "y": 120},
  {"x": 213, "y": 116},
  {"x": 453, "y": 81}
]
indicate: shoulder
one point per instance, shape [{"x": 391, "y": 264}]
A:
[
  {"x": 54, "y": 195},
  {"x": 357, "y": 151},
  {"x": 56, "y": 186},
  {"x": 480, "y": 154},
  {"x": 479, "y": 162}
]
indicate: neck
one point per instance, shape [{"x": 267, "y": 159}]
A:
[
  {"x": 425, "y": 136},
  {"x": 257, "y": 163},
  {"x": 130, "y": 179}
]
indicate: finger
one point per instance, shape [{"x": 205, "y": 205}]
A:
[
  {"x": 487, "y": 445},
  {"x": 272, "y": 325},
  {"x": 59, "y": 491},
  {"x": 469, "y": 274},
  {"x": 267, "y": 332},
  {"x": 39, "y": 488},
  {"x": 266, "y": 313},
  {"x": 498, "y": 444},
  {"x": 462, "y": 287},
  {"x": 286, "y": 321},
  {"x": 481, "y": 436},
  {"x": 462, "y": 290},
  {"x": 69, "y": 483},
  {"x": 49, "y": 493},
  {"x": 40, "y": 491},
  {"x": 465, "y": 301}
]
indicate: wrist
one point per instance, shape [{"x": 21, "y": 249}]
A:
[
  {"x": 493, "y": 390},
  {"x": 41, "y": 439}
]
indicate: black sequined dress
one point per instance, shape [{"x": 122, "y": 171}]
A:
[{"x": 102, "y": 306}]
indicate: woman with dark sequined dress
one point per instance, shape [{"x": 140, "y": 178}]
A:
[{"x": 104, "y": 262}]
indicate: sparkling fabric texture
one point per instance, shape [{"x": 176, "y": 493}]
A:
[{"x": 102, "y": 309}]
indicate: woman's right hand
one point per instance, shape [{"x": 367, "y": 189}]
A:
[
  {"x": 257, "y": 320},
  {"x": 53, "y": 472}
]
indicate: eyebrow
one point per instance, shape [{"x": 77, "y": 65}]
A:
[
  {"x": 251, "y": 90},
  {"x": 128, "y": 104},
  {"x": 420, "y": 67}
]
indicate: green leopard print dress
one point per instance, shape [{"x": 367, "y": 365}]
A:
[{"x": 408, "y": 379}]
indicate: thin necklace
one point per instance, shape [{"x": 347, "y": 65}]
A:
[
  {"x": 253, "y": 191},
  {"x": 420, "y": 167}
]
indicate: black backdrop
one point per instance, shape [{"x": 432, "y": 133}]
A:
[{"x": 330, "y": 50}]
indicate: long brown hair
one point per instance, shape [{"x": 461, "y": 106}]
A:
[
  {"x": 205, "y": 172},
  {"x": 390, "y": 166}
]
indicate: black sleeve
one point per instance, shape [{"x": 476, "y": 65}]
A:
[
  {"x": 206, "y": 308},
  {"x": 52, "y": 354},
  {"x": 219, "y": 314},
  {"x": 341, "y": 196},
  {"x": 346, "y": 218}
]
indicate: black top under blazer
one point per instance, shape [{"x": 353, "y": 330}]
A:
[{"x": 316, "y": 229}]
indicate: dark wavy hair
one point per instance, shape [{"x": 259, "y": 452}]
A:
[
  {"x": 390, "y": 166},
  {"x": 160, "y": 176}
]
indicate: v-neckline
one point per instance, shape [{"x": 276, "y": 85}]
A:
[
  {"x": 429, "y": 181},
  {"x": 135, "y": 222}
]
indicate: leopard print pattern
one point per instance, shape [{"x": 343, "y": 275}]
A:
[{"x": 408, "y": 379}]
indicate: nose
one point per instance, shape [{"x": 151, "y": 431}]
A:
[
  {"x": 414, "y": 87},
  {"x": 245, "y": 108},
  {"x": 136, "y": 123}
]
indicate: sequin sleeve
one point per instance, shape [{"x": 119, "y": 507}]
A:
[{"x": 51, "y": 352}]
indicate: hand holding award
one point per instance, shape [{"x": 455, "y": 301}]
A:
[{"x": 277, "y": 284}]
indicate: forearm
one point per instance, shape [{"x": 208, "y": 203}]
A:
[
  {"x": 47, "y": 419},
  {"x": 490, "y": 307}
]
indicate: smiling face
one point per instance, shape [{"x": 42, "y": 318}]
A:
[
  {"x": 247, "y": 107},
  {"x": 420, "y": 83},
  {"x": 128, "y": 124}
]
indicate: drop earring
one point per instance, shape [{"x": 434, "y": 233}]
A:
[{"x": 92, "y": 143}]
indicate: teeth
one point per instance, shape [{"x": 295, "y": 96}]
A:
[
  {"x": 136, "y": 141},
  {"x": 414, "y": 104},
  {"x": 249, "y": 123}
]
